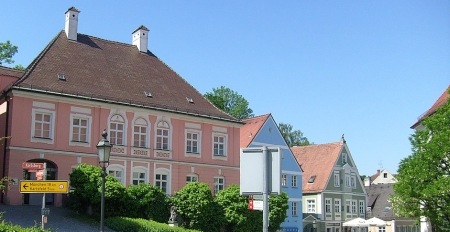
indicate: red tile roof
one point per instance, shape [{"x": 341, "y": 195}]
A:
[
  {"x": 5, "y": 71},
  {"x": 439, "y": 102},
  {"x": 108, "y": 71},
  {"x": 319, "y": 161},
  {"x": 251, "y": 128}
]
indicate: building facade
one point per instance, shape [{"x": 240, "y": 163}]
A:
[
  {"x": 333, "y": 192},
  {"x": 263, "y": 131},
  {"x": 162, "y": 129}
]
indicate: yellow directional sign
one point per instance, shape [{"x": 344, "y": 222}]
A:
[{"x": 44, "y": 186}]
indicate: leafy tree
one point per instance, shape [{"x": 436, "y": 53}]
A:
[
  {"x": 197, "y": 208},
  {"x": 149, "y": 202},
  {"x": 292, "y": 137},
  {"x": 278, "y": 206},
  {"x": 230, "y": 102},
  {"x": 423, "y": 177},
  {"x": 7, "y": 51},
  {"x": 19, "y": 67}
]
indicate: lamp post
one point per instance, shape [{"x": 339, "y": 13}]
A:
[
  {"x": 104, "y": 150},
  {"x": 314, "y": 225}
]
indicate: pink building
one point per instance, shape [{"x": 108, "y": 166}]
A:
[{"x": 163, "y": 131}]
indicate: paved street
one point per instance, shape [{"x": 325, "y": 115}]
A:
[{"x": 60, "y": 219}]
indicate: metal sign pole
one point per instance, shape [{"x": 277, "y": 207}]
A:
[
  {"x": 266, "y": 174},
  {"x": 43, "y": 197}
]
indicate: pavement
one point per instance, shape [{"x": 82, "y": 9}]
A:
[{"x": 59, "y": 219}]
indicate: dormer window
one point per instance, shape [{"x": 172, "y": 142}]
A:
[
  {"x": 148, "y": 94},
  {"x": 190, "y": 100},
  {"x": 61, "y": 76}
]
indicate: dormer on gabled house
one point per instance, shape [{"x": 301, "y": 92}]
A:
[
  {"x": 263, "y": 131},
  {"x": 57, "y": 110},
  {"x": 332, "y": 188}
]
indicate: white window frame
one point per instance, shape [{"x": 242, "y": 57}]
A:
[
  {"x": 337, "y": 206},
  {"x": 158, "y": 182},
  {"x": 116, "y": 170},
  {"x": 142, "y": 175},
  {"x": 190, "y": 178},
  {"x": 382, "y": 229},
  {"x": 353, "y": 181},
  {"x": 140, "y": 137},
  {"x": 115, "y": 133},
  {"x": 190, "y": 141},
  {"x": 294, "y": 209},
  {"x": 328, "y": 205},
  {"x": 311, "y": 205},
  {"x": 77, "y": 142},
  {"x": 361, "y": 207},
  {"x": 337, "y": 179},
  {"x": 40, "y": 138},
  {"x": 348, "y": 209},
  {"x": 163, "y": 140},
  {"x": 294, "y": 181},
  {"x": 347, "y": 180},
  {"x": 219, "y": 184},
  {"x": 283, "y": 180},
  {"x": 222, "y": 144},
  {"x": 354, "y": 207}
]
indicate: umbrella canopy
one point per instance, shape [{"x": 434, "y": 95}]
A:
[
  {"x": 376, "y": 222},
  {"x": 356, "y": 222}
]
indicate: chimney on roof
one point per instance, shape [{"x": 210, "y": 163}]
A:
[
  {"x": 71, "y": 27},
  {"x": 140, "y": 38}
]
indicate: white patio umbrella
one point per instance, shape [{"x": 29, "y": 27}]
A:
[
  {"x": 356, "y": 222},
  {"x": 376, "y": 222}
]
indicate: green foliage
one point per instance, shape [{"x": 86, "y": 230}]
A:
[
  {"x": 230, "y": 102},
  {"x": 149, "y": 202},
  {"x": 125, "y": 224},
  {"x": 9, "y": 227},
  {"x": 278, "y": 206},
  {"x": 197, "y": 208},
  {"x": 291, "y": 136},
  {"x": 7, "y": 51},
  {"x": 19, "y": 67},
  {"x": 85, "y": 180},
  {"x": 5, "y": 182},
  {"x": 115, "y": 197},
  {"x": 424, "y": 177}
]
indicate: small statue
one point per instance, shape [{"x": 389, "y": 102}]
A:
[{"x": 173, "y": 214}]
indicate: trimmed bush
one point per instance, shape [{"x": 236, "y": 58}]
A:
[{"x": 125, "y": 224}]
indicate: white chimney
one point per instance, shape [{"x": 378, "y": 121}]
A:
[
  {"x": 140, "y": 38},
  {"x": 71, "y": 27}
]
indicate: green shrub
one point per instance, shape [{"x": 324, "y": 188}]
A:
[
  {"x": 8, "y": 227},
  {"x": 125, "y": 224},
  {"x": 147, "y": 201}
]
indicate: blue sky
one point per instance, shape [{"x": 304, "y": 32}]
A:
[{"x": 366, "y": 69}]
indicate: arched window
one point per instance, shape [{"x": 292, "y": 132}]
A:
[
  {"x": 117, "y": 130},
  {"x": 191, "y": 178},
  {"x": 117, "y": 171},
  {"x": 162, "y": 135},
  {"x": 140, "y": 131}
]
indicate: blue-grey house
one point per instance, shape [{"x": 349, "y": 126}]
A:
[{"x": 263, "y": 131}]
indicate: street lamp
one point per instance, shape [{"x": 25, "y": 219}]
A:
[
  {"x": 104, "y": 150},
  {"x": 314, "y": 225}
]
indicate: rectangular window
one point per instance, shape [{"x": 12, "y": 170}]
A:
[
  {"x": 80, "y": 129},
  {"x": 294, "y": 181},
  {"x": 219, "y": 145},
  {"x": 347, "y": 205},
  {"x": 381, "y": 229},
  {"x": 117, "y": 174},
  {"x": 140, "y": 135},
  {"x": 347, "y": 180},
  {"x": 162, "y": 139},
  {"x": 337, "y": 206},
  {"x": 354, "y": 207},
  {"x": 283, "y": 179},
  {"x": 138, "y": 177},
  {"x": 219, "y": 184},
  {"x": 311, "y": 206},
  {"x": 327, "y": 205},
  {"x": 192, "y": 142},
  {"x": 161, "y": 182},
  {"x": 191, "y": 178},
  {"x": 337, "y": 180},
  {"x": 117, "y": 131},
  {"x": 294, "y": 208},
  {"x": 43, "y": 125},
  {"x": 361, "y": 207},
  {"x": 353, "y": 181}
]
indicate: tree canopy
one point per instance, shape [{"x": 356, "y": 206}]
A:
[
  {"x": 423, "y": 177},
  {"x": 7, "y": 51},
  {"x": 230, "y": 102},
  {"x": 292, "y": 137}
]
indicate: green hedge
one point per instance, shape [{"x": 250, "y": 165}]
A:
[
  {"x": 125, "y": 224},
  {"x": 8, "y": 227}
]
